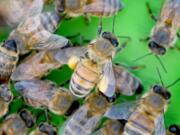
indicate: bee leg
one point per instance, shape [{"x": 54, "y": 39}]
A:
[
  {"x": 81, "y": 38},
  {"x": 124, "y": 44},
  {"x": 178, "y": 35},
  {"x": 144, "y": 39},
  {"x": 100, "y": 26},
  {"x": 87, "y": 19},
  {"x": 150, "y": 12},
  {"x": 130, "y": 67}
]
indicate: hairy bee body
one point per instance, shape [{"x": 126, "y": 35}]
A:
[
  {"x": 93, "y": 7},
  {"x": 164, "y": 34},
  {"x": 8, "y": 60},
  {"x": 35, "y": 30},
  {"x": 111, "y": 127},
  {"x": 45, "y": 129},
  {"x": 17, "y": 124},
  {"x": 126, "y": 84},
  {"x": 92, "y": 68},
  {"x": 84, "y": 78},
  {"x": 142, "y": 120},
  {"x": 86, "y": 118},
  {"x": 12, "y": 12},
  {"x": 5, "y": 99},
  {"x": 38, "y": 65},
  {"x": 45, "y": 94}
]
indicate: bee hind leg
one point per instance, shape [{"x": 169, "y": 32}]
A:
[
  {"x": 150, "y": 12},
  {"x": 130, "y": 67},
  {"x": 124, "y": 44}
]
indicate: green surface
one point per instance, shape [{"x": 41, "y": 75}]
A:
[{"x": 133, "y": 21}]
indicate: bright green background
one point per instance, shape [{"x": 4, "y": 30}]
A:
[{"x": 133, "y": 21}]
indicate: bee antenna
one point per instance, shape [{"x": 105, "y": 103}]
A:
[
  {"x": 160, "y": 77},
  {"x": 141, "y": 57},
  {"x": 113, "y": 28},
  {"x": 173, "y": 83},
  {"x": 161, "y": 63}
]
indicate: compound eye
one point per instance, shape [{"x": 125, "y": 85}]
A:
[
  {"x": 173, "y": 128},
  {"x": 152, "y": 44},
  {"x": 42, "y": 127},
  {"x": 162, "y": 51},
  {"x": 115, "y": 42},
  {"x": 10, "y": 45},
  {"x": 167, "y": 95},
  {"x": 157, "y": 89},
  {"x": 105, "y": 34}
]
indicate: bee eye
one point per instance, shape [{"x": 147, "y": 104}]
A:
[
  {"x": 27, "y": 118},
  {"x": 115, "y": 43},
  {"x": 42, "y": 128},
  {"x": 157, "y": 89},
  {"x": 152, "y": 44},
  {"x": 162, "y": 51},
  {"x": 105, "y": 34},
  {"x": 173, "y": 128},
  {"x": 167, "y": 95},
  {"x": 10, "y": 45}
]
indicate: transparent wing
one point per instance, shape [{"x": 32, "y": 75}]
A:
[
  {"x": 64, "y": 55},
  {"x": 35, "y": 8},
  {"x": 159, "y": 126},
  {"x": 35, "y": 89},
  {"x": 35, "y": 66},
  {"x": 53, "y": 42},
  {"x": 102, "y": 6},
  {"x": 121, "y": 110},
  {"x": 107, "y": 83}
]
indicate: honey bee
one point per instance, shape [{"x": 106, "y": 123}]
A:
[
  {"x": 146, "y": 116},
  {"x": 111, "y": 127},
  {"x": 93, "y": 67},
  {"x": 9, "y": 56},
  {"x": 17, "y": 124},
  {"x": 35, "y": 32},
  {"x": 35, "y": 66},
  {"x": 44, "y": 94},
  {"x": 86, "y": 118},
  {"x": 164, "y": 34},
  {"x": 12, "y": 12},
  {"x": 173, "y": 130},
  {"x": 5, "y": 99},
  {"x": 45, "y": 129},
  {"x": 76, "y": 8}
]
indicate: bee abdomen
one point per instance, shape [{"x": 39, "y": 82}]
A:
[
  {"x": 82, "y": 81},
  {"x": 113, "y": 9},
  {"x": 50, "y": 21}
]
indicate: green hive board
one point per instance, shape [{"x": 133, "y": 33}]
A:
[{"x": 133, "y": 21}]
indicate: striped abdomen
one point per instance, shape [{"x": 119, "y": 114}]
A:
[
  {"x": 139, "y": 123},
  {"x": 110, "y": 8},
  {"x": 125, "y": 82},
  {"x": 8, "y": 61},
  {"x": 84, "y": 78}
]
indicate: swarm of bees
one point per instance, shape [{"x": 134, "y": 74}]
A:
[{"x": 33, "y": 49}]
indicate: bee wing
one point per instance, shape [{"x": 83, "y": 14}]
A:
[
  {"x": 33, "y": 67},
  {"x": 35, "y": 8},
  {"x": 107, "y": 83},
  {"x": 126, "y": 83},
  {"x": 53, "y": 42},
  {"x": 63, "y": 55},
  {"x": 102, "y": 6},
  {"x": 36, "y": 90},
  {"x": 121, "y": 110},
  {"x": 159, "y": 126}
]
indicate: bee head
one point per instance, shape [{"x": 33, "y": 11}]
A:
[
  {"x": 174, "y": 129},
  {"x": 5, "y": 93},
  {"x": 48, "y": 129},
  {"x": 162, "y": 91},
  {"x": 27, "y": 118},
  {"x": 156, "y": 48},
  {"x": 111, "y": 38},
  {"x": 60, "y": 5},
  {"x": 10, "y": 45}
]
